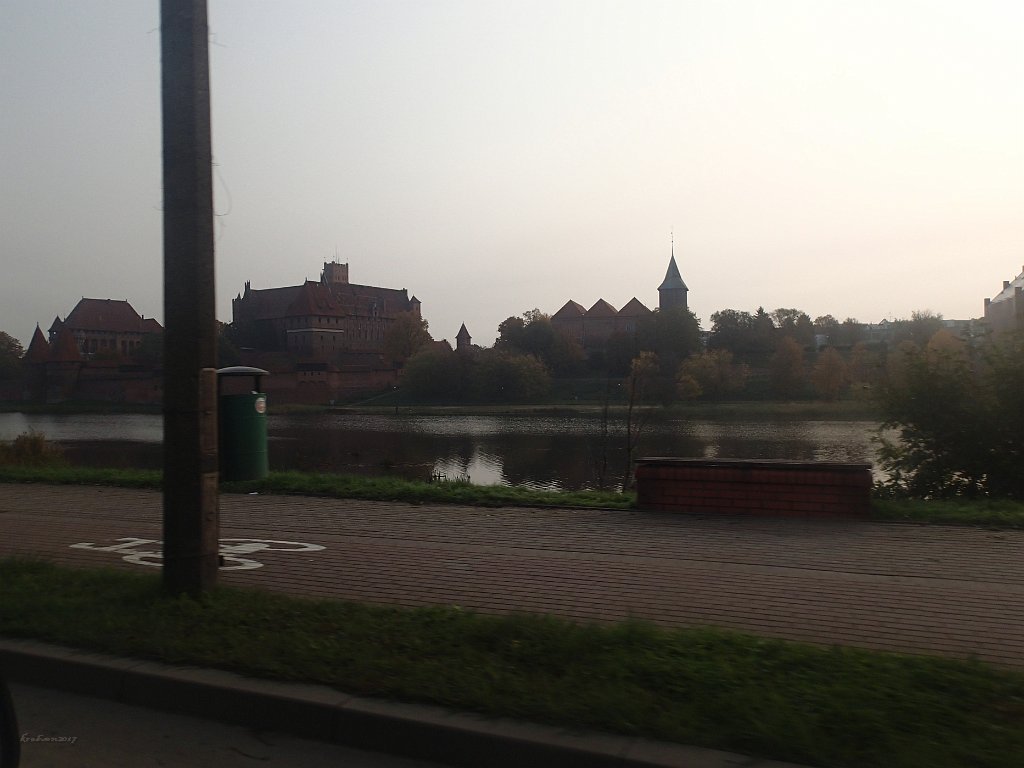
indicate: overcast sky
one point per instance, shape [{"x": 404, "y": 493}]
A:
[{"x": 863, "y": 159}]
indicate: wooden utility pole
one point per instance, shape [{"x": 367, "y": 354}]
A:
[{"x": 191, "y": 513}]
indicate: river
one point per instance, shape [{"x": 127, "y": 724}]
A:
[{"x": 552, "y": 452}]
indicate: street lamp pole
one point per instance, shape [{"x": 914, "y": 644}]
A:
[{"x": 191, "y": 517}]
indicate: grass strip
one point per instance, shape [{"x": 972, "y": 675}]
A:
[
  {"x": 396, "y": 489},
  {"x": 821, "y": 706},
  {"x": 63, "y": 474},
  {"x": 335, "y": 486},
  {"x": 994, "y": 513}
]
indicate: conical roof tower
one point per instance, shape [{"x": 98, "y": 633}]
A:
[{"x": 672, "y": 291}]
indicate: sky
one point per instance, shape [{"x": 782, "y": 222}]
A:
[{"x": 859, "y": 159}]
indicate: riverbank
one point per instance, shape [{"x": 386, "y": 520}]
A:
[
  {"x": 845, "y": 410},
  {"x": 842, "y": 410}
]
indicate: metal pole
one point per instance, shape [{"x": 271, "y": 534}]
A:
[{"x": 191, "y": 514}]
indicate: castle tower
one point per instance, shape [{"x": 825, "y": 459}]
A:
[
  {"x": 672, "y": 291},
  {"x": 334, "y": 273},
  {"x": 463, "y": 341},
  {"x": 35, "y": 370}
]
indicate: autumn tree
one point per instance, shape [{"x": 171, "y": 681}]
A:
[
  {"x": 11, "y": 354},
  {"x": 434, "y": 374},
  {"x": 642, "y": 372},
  {"x": 405, "y": 336},
  {"x": 566, "y": 356},
  {"x": 227, "y": 351},
  {"x": 849, "y": 333},
  {"x": 671, "y": 334},
  {"x": 714, "y": 373},
  {"x": 731, "y": 329},
  {"x": 919, "y": 329},
  {"x": 795, "y": 324},
  {"x": 960, "y": 420},
  {"x": 742, "y": 333},
  {"x": 510, "y": 333},
  {"x": 787, "y": 368},
  {"x": 533, "y": 334},
  {"x": 865, "y": 366},
  {"x": 619, "y": 351},
  {"x": 830, "y": 376},
  {"x": 500, "y": 376}
]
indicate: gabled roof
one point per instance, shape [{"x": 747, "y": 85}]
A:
[
  {"x": 1010, "y": 289},
  {"x": 634, "y": 308},
  {"x": 38, "y": 348},
  {"x": 267, "y": 303},
  {"x": 602, "y": 308},
  {"x": 673, "y": 280},
  {"x": 104, "y": 315},
  {"x": 569, "y": 310}
]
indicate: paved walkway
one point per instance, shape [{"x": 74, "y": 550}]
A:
[{"x": 927, "y": 589}]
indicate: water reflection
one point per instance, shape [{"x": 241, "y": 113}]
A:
[{"x": 543, "y": 452}]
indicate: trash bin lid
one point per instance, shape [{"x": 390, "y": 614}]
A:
[{"x": 241, "y": 370}]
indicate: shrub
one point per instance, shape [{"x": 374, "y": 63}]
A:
[
  {"x": 31, "y": 449},
  {"x": 960, "y": 419}
]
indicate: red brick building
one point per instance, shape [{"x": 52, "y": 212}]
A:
[
  {"x": 322, "y": 341},
  {"x": 106, "y": 326},
  {"x": 93, "y": 355},
  {"x": 592, "y": 328}
]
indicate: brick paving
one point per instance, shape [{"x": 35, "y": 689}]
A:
[{"x": 946, "y": 590}]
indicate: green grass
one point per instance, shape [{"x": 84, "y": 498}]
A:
[
  {"x": 993, "y": 513},
  {"x": 821, "y": 706},
  {"x": 67, "y": 475},
  {"x": 335, "y": 486},
  {"x": 986, "y": 512},
  {"x": 395, "y": 489}
]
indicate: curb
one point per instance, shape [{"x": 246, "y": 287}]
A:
[{"x": 322, "y": 713}]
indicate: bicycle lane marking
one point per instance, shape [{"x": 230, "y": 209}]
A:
[{"x": 149, "y": 551}]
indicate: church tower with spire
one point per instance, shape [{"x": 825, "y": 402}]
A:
[{"x": 672, "y": 291}]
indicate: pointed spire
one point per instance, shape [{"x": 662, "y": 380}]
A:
[
  {"x": 38, "y": 349},
  {"x": 672, "y": 291},
  {"x": 463, "y": 340},
  {"x": 673, "y": 280}
]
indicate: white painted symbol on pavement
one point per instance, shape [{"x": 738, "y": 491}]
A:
[{"x": 134, "y": 551}]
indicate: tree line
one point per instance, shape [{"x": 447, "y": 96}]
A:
[{"x": 781, "y": 354}]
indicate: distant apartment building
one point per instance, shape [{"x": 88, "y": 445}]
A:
[{"x": 1005, "y": 312}]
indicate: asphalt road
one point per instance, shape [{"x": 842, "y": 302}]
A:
[{"x": 64, "y": 730}]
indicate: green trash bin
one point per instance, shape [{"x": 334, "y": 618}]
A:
[{"x": 242, "y": 429}]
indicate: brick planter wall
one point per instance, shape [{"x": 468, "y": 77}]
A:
[{"x": 754, "y": 487}]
